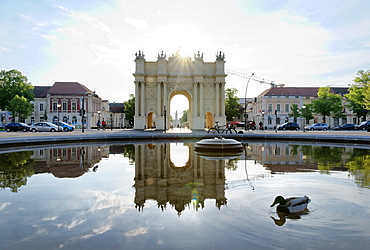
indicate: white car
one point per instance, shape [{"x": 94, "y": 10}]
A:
[
  {"x": 317, "y": 126},
  {"x": 45, "y": 127}
]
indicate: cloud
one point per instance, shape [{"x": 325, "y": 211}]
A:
[
  {"x": 4, "y": 49},
  {"x": 288, "y": 42},
  {"x": 140, "y": 24}
]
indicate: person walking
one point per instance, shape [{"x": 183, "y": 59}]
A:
[
  {"x": 104, "y": 124},
  {"x": 98, "y": 125}
]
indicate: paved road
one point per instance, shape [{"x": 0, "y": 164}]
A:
[{"x": 11, "y": 138}]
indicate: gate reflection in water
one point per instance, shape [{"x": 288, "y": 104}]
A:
[{"x": 94, "y": 196}]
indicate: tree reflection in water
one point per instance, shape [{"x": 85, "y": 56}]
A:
[{"x": 15, "y": 168}]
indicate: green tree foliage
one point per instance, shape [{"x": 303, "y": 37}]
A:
[
  {"x": 231, "y": 104},
  {"x": 359, "y": 166},
  {"x": 359, "y": 94},
  {"x": 130, "y": 109},
  {"x": 129, "y": 152},
  {"x": 15, "y": 168},
  {"x": 328, "y": 104},
  {"x": 184, "y": 117},
  {"x": 307, "y": 112},
  {"x": 45, "y": 117},
  {"x": 20, "y": 107},
  {"x": 13, "y": 83},
  {"x": 295, "y": 112}
]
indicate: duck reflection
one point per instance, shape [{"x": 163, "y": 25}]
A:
[
  {"x": 158, "y": 178},
  {"x": 283, "y": 217}
]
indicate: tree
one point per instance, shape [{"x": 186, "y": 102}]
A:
[
  {"x": 358, "y": 96},
  {"x": 184, "y": 117},
  {"x": 45, "y": 117},
  {"x": 328, "y": 103},
  {"x": 129, "y": 108},
  {"x": 231, "y": 104},
  {"x": 306, "y": 112},
  {"x": 295, "y": 112},
  {"x": 13, "y": 83},
  {"x": 15, "y": 168},
  {"x": 20, "y": 107}
]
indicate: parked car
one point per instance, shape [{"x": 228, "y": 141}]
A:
[
  {"x": 288, "y": 126},
  {"x": 17, "y": 126},
  {"x": 45, "y": 127},
  {"x": 65, "y": 126},
  {"x": 317, "y": 126},
  {"x": 345, "y": 127},
  {"x": 363, "y": 125}
]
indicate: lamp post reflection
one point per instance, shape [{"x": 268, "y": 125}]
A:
[{"x": 245, "y": 102}]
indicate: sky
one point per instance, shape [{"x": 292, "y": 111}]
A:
[{"x": 293, "y": 42}]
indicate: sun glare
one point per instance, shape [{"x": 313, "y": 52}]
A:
[{"x": 186, "y": 51}]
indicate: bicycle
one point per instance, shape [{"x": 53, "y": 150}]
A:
[{"x": 214, "y": 129}]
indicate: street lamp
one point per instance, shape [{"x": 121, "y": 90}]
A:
[
  {"x": 58, "y": 107},
  {"x": 305, "y": 121},
  {"x": 82, "y": 112},
  {"x": 165, "y": 119},
  {"x": 99, "y": 122},
  {"x": 245, "y": 102}
]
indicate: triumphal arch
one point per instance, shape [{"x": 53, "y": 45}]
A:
[{"x": 157, "y": 82}]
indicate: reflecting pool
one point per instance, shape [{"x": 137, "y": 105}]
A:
[{"x": 167, "y": 196}]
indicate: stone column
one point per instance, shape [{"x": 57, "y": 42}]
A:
[
  {"x": 195, "y": 100},
  {"x": 222, "y": 99},
  {"x": 159, "y": 101},
  {"x": 217, "y": 100},
  {"x": 142, "y": 98},
  {"x": 137, "y": 99},
  {"x": 201, "y": 97}
]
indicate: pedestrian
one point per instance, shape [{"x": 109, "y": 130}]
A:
[
  {"x": 261, "y": 125},
  {"x": 98, "y": 125},
  {"x": 104, "y": 124}
]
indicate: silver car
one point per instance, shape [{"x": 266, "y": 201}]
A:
[
  {"x": 45, "y": 127},
  {"x": 317, "y": 126}
]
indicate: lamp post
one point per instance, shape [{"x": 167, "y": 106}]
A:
[
  {"x": 305, "y": 121},
  {"x": 245, "y": 103},
  {"x": 58, "y": 107},
  {"x": 165, "y": 119},
  {"x": 82, "y": 113}
]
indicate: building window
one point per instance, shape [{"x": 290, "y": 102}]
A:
[
  {"x": 55, "y": 106},
  {"x": 286, "y": 107},
  {"x": 41, "y": 107},
  {"x": 269, "y": 109},
  {"x": 278, "y": 108},
  {"x": 74, "y": 120},
  {"x": 64, "y": 106},
  {"x": 74, "y": 106}
]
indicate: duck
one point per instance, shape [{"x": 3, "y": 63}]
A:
[{"x": 291, "y": 205}]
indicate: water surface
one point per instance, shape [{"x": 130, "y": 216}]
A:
[{"x": 165, "y": 196}]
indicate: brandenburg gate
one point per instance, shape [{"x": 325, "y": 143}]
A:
[{"x": 157, "y": 82}]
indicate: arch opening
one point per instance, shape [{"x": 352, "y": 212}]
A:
[
  {"x": 179, "y": 155},
  {"x": 180, "y": 109}
]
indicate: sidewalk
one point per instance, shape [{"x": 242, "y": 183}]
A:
[{"x": 27, "y": 138}]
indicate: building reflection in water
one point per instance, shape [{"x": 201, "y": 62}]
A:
[
  {"x": 179, "y": 177},
  {"x": 158, "y": 178},
  {"x": 69, "y": 162}
]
